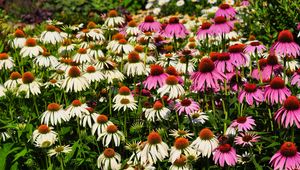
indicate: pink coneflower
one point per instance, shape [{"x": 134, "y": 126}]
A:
[
  {"x": 286, "y": 158},
  {"x": 272, "y": 67},
  {"x": 203, "y": 30},
  {"x": 254, "y": 47},
  {"x": 235, "y": 80},
  {"x": 243, "y": 123},
  {"x": 172, "y": 71},
  {"x": 225, "y": 154},
  {"x": 276, "y": 91},
  {"x": 220, "y": 26},
  {"x": 256, "y": 73},
  {"x": 156, "y": 78},
  {"x": 289, "y": 114},
  {"x": 296, "y": 78},
  {"x": 175, "y": 29},
  {"x": 285, "y": 45},
  {"x": 187, "y": 106},
  {"x": 207, "y": 76},
  {"x": 251, "y": 93},
  {"x": 246, "y": 139},
  {"x": 224, "y": 62},
  {"x": 226, "y": 10},
  {"x": 236, "y": 54},
  {"x": 150, "y": 25}
]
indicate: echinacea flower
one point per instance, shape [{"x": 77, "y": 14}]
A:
[
  {"x": 112, "y": 73},
  {"x": 254, "y": 47},
  {"x": 251, "y": 94},
  {"x": 54, "y": 115},
  {"x": 171, "y": 87},
  {"x": 156, "y": 78},
  {"x": 157, "y": 113},
  {"x": 175, "y": 29},
  {"x": 134, "y": 66},
  {"x": 45, "y": 132},
  {"x": 237, "y": 55},
  {"x": 95, "y": 51},
  {"x": 4, "y": 136},
  {"x": 31, "y": 49},
  {"x": 224, "y": 62},
  {"x": 58, "y": 150},
  {"x": 203, "y": 30},
  {"x": 109, "y": 159},
  {"x": 186, "y": 106},
  {"x": 122, "y": 46},
  {"x": 14, "y": 81},
  {"x": 87, "y": 117},
  {"x": 95, "y": 33},
  {"x": 184, "y": 65},
  {"x": 51, "y": 35},
  {"x": 93, "y": 75},
  {"x": 46, "y": 60},
  {"x": 205, "y": 143},
  {"x": 76, "y": 109},
  {"x": 111, "y": 135},
  {"x": 286, "y": 158},
  {"x": 246, "y": 139},
  {"x": 82, "y": 56},
  {"x": 295, "y": 80},
  {"x": 207, "y": 76},
  {"x": 225, "y": 154},
  {"x": 181, "y": 163},
  {"x": 6, "y": 62},
  {"x": 181, "y": 133},
  {"x": 289, "y": 114},
  {"x": 113, "y": 20},
  {"x": 154, "y": 150},
  {"x": 100, "y": 125},
  {"x": 285, "y": 45},
  {"x": 273, "y": 67},
  {"x": 244, "y": 158},
  {"x": 243, "y": 123},
  {"x": 74, "y": 81},
  {"x": 66, "y": 47},
  {"x": 29, "y": 85},
  {"x": 276, "y": 91},
  {"x": 220, "y": 26},
  {"x": 181, "y": 146},
  {"x": 226, "y": 11},
  {"x": 257, "y": 74},
  {"x": 132, "y": 29},
  {"x": 198, "y": 117},
  {"x": 19, "y": 40},
  {"x": 150, "y": 25}
]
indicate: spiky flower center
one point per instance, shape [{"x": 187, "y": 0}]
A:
[
  {"x": 224, "y": 6},
  {"x": 277, "y": 83},
  {"x": 3, "y": 56},
  {"x": 250, "y": 88},
  {"x": 50, "y": 28},
  {"x": 171, "y": 71},
  {"x": 172, "y": 80},
  {"x": 158, "y": 105},
  {"x": 173, "y": 20},
  {"x": 236, "y": 48},
  {"x": 111, "y": 128},
  {"x": 272, "y": 59},
  {"x": 291, "y": 103},
  {"x": 59, "y": 149},
  {"x": 241, "y": 119},
  {"x": 205, "y": 25},
  {"x": 285, "y": 36},
  {"x": 132, "y": 23},
  {"x": 224, "y": 148},
  {"x": 247, "y": 138},
  {"x": 112, "y": 13},
  {"x": 30, "y": 42},
  {"x": 124, "y": 90},
  {"x": 168, "y": 48},
  {"x": 186, "y": 102},
  {"x": 206, "y": 65},
  {"x": 53, "y": 81},
  {"x": 214, "y": 56},
  {"x": 82, "y": 51},
  {"x": 19, "y": 33},
  {"x": 109, "y": 153},
  {"x": 53, "y": 107},
  {"x": 101, "y": 119},
  {"x": 122, "y": 41},
  {"x": 139, "y": 48},
  {"x": 76, "y": 103},
  {"x": 149, "y": 19},
  {"x": 133, "y": 57},
  {"x": 288, "y": 149},
  {"x": 91, "y": 69},
  {"x": 156, "y": 70},
  {"x": 255, "y": 43},
  {"x": 181, "y": 161},
  {"x": 262, "y": 62},
  {"x": 91, "y": 25},
  {"x": 154, "y": 138},
  {"x": 125, "y": 101},
  {"x": 15, "y": 75},
  {"x": 181, "y": 143},
  {"x": 43, "y": 129},
  {"x": 118, "y": 36},
  {"x": 27, "y": 78},
  {"x": 224, "y": 56},
  {"x": 74, "y": 72},
  {"x": 206, "y": 134},
  {"x": 220, "y": 20}
]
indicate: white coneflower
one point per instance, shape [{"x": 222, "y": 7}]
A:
[
  {"x": 109, "y": 159},
  {"x": 111, "y": 135},
  {"x": 6, "y": 62},
  {"x": 29, "y": 86},
  {"x": 59, "y": 74},
  {"x": 181, "y": 147},
  {"x": 66, "y": 47},
  {"x": 2, "y": 90},
  {"x": 123, "y": 93},
  {"x": 77, "y": 109},
  {"x": 4, "y": 136},
  {"x": 157, "y": 113},
  {"x": 181, "y": 163},
  {"x": 154, "y": 150},
  {"x": 46, "y": 60},
  {"x": 93, "y": 75},
  {"x": 51, "y": 35},
  {"x": 125, "y": 104},
  {"x": 82, "y": 56},
  {"x": 205, "y": 143},
  {"x": 95, "y": 50},
  {"x": 100, "y": 125},
  {"x": 122, "y": 46},
  {"x": 181, "y": 65},
  {"x": 19, "y": 40},
  {"x": 132, "y": 29},
  {"x": 104, "y": 62},
  {"x": 172, "y": 88},
  {"x": 44, "y": 142},
  {"x": 181, "y": 133},
  {"x": 291, "y": 63},
  {"x": 95, "y": 33},
  {"x": 135, "y": 148},
  {"x": 86, "y": 118},
  {"x": 134, "y": 66},
  {"x": 170, "y": 59},
  {"x": 111, "y": 73},
  {"x": 65, "y": 64},
  {"x": 52, "y": 83},
  {"x": 14, "y": 81},
  {"x": 31, "y": 49},
  {"x": 74, "y": 81},
  {"x": 114, "y": 41},
  {"x": 199, "y": 117},
  {"x": 59, "y": 150},
  {"x": 113, "y": 20},
  {"x": 45, "y": 133},
  {"x": 54, "y": 115}
]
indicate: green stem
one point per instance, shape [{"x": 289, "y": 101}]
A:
[{"x": 226, "y": 116}]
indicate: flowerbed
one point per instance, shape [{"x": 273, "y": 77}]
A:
[{"x": 137, "y": 92}]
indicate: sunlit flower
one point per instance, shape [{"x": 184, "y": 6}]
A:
[
  {"x": 109, "y": 159},
  {"x": 113, "y": 20},
  {"x": 88, "y": 117},
  {"x": 226, "y": 10},
  {"x": 156, "y": 78},
  {"x": 66, "y": 46},
  {"x": 111, "y": 135},
  {"x": 286, "y": 45},
  {"x": 186, "y": 106},
  {"x": 134, "y": 66},
  {"x": 157, "y": 113},
  {"x": 276, "y": 91},
  {"x": 246, "y": 139},
  {"x": 295, "y": 80},
  {"x": 100, "y": 125},
  {"x": 181, "y": 163},
  {"x": 51, "y": 35},
  {"x": 93, "y": 75},
  {"x": 46, "y": 60},
  {"x": 125, "y": 104},
  {"x": 225, "y": 154},
  {"x": 112, "y": 73},
  {"x": 243, "y": 123},
  {"x": 181, "y": 133},
  {"x": 54, "y": 115},
  {"x": 203, "y": 31},
  {"x": 251, "y": 94},
  {"x": 45, "y": 133},
  {"x": 6, "y": 62},
  {"x": 171, "y": 87},
  {"x": 254, "y": 47},
  {"x": 181, "y": 147},
  {"x": 31, "y": 49},
  {"x": 150, "y": 25},
  {"x": 82, "y": 56},
  {"x": 175, "y": 29},
  {"x": 59, "y": 150},
  {"x": 29, "y": 85},
  {"x": 220, "y": 26},
  {"x": 77, "y": 109},
  {"x": 95, "y": 51},
  {"x": 19, "y": 40},
  {"x": 74, "y": 81},
  {"x": 14, "y": 81},
  {"x": 132, "y": 29},
  {"x": 205, "y": 143},
  {"x": 199, "y": 117}
]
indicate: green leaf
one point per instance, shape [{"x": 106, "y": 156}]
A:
[
  {"x": 272, "y": 145},
  {"x": 4, "y": 152},
  {"x": 20, "y": 154}
]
